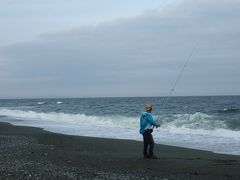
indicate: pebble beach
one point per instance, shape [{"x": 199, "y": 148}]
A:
[{"x": 32, "y": 153}]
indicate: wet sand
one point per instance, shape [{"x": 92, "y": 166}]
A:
[{"x": 32, "y": 153}]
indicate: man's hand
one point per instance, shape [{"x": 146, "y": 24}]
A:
[{"x": 158, "y": 126}]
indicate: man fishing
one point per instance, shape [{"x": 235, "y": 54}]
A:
[{"x": 146, "y": 128}]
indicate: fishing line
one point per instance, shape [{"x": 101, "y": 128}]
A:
[
  {"x": 179, "y": 77},
  {"x": 180, "y": 74}
]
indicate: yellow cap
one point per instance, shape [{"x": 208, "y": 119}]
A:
[{"x": 148, "y": 107}]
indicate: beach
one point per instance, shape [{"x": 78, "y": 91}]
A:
[{"x": 32, "y": 153}]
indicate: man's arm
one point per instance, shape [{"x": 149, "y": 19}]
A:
[{"x": 152, "y": 121}]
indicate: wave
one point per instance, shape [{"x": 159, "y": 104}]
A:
[
  {"x": 230, "y": 110},
  {"x": 77, "y": 119},
  {"x": 22, "y": 108},
  {"x": 198, "y": 130},
  {"x": 197, "y": 120},
  {"x": 194, "y": 121},
  {"x": 41, "y": 103}
]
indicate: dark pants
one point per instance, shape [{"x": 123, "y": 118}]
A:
[{"x": 148, "y": 142}]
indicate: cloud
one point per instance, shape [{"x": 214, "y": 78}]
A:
[{"x": 139, "y": 56}]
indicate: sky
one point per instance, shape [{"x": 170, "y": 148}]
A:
[{"x": 109, "y": 48}]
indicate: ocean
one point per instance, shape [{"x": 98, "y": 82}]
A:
[{"x": 208, "y": 123}]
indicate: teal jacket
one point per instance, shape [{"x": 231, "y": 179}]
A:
[{"x": 146, "y": 121}]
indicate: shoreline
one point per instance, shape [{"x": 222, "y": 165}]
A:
[{"x": 32, "y": 153}]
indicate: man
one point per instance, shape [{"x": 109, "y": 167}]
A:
[{"x": 146, "y": 124}]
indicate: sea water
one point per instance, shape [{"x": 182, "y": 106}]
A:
[{"x": 207, "y": 123}]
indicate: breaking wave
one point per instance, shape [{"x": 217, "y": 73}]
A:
[
  {"x": 194, "y": 121},
  {"x": 77, "y": 119},
  {"x": 198, "y": 130},
  {"x": 197, "y": 120}
]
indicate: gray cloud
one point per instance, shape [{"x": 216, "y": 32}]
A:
[{"x": 139, "y": 56}]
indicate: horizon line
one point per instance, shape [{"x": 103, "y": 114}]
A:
[{"x": 89, "y": 97}]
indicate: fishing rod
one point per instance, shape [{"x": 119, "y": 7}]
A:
[{"x": 180, "y": 74}]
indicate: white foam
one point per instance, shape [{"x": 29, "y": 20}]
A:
[
  {"x": 74, "y": 119},
  {"x": 197, "y": 120},
  {"x": 186, "y": 130},
  {"x": 41, "y": 103},
  {"x": 218, "y": 140}
]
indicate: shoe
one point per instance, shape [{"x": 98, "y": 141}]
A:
[
  {"x": 145, "y": 157},
  {"x": 153, "y": 157}
]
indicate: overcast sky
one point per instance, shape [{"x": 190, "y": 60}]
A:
[{"x": 56, "y": 48}]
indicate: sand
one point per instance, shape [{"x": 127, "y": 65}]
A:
[{"x": 32, "y": 153}]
